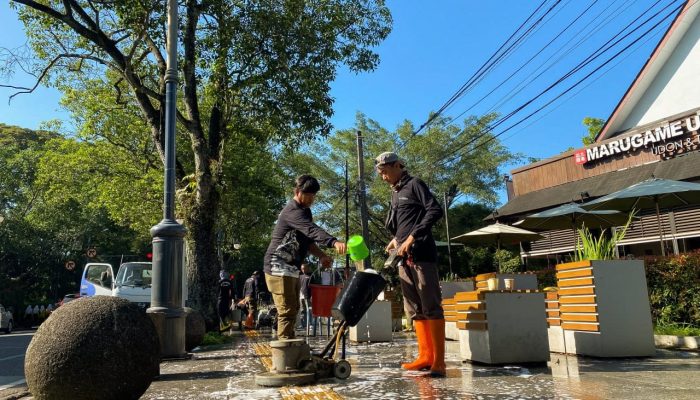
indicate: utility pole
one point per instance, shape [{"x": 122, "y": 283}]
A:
[
  {"x": 166, "y": 293},
  {"x": 449, "y": 197},
  {"x": 367, "y": 263}
]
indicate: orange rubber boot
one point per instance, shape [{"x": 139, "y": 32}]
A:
[
  {"x": 249, "y": 322},
  {"x": 437, "y": 335},
  {"x": 425, "y": 347}
]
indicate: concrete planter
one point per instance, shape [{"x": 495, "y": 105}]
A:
[
  {"x": 677, "y": 342},
  {"x": 604, "y": 307},
  {"x": 449, "y": 288},
  {"x": 375, "y": 325}
]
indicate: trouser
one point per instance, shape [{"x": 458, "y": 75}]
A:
[
  {"x": 305, "y": 313},
  {"x": 224, "y": 309},
  {"x": 285, "y": 294},
  {"x": 420, "y": 283}
]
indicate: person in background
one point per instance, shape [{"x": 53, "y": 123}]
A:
[
  {"x": 305, "y": 294},
  {"x": 35, "y": 314},
  {"x": 224, "y": 299},
  {"x": 250, "y": 295},
  {"x": 412, "y": 214},
  {"x": 294, "y": 236}
]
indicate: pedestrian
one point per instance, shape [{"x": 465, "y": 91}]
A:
[
  {"x": 35, "y": 314},
  {"x": 250, "y": 296},
  {"x": 28, "y": 315},
  {"x": 224, "y": 299},
  {"x": 413, "y": 212},
  {"x": 305, "y": 295},
  {"x": 294, "y": 236}
]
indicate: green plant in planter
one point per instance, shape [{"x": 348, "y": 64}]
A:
[{"x": 590, "y": 247}]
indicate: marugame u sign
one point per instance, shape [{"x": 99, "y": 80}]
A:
[{"x": 664, "y": 140}]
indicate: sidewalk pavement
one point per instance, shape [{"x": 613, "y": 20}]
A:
[{"x": 227, "y": 372}]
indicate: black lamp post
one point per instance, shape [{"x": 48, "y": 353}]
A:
[{"x": 166, "y": 293}]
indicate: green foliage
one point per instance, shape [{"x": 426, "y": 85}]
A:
[
  {"x": 602, "y": 247},
  {"x": 674, "y": 289},
  {"x": 48, "y": 219},
  {"x": 593, "y": 125},
  {"x": 213, "y": 338},
  {"x": 677, "y": 330},
  {"x": 507, "y": 261}
]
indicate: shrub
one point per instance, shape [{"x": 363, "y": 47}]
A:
[
  {"x": 507, "y": 261},
  {"x": 674, "y": 289}
]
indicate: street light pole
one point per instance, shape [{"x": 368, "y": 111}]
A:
[{"x": 166, "y": 293}]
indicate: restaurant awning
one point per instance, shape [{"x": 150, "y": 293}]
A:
[{"x": 683, "y": 167}]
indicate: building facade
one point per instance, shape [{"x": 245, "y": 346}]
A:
[{"x": 652, "y": 132}]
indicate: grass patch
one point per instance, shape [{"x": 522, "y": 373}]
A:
[
  {"x": 215, "y": 338},
  {"x": 677, "y": 330}
]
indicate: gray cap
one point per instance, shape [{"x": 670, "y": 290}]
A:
[{"x": 388, "y": 157}]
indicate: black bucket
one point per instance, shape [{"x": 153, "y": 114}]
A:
[{"x": 357, "y": 296}]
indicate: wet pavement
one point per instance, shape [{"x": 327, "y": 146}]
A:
[{"x": 227, "y": 372}]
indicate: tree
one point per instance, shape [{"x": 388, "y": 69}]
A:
[
  {"x": 594, "y": 125},
  {"x": 43, "y": 227},
  {"x": 259, "y": 69}
]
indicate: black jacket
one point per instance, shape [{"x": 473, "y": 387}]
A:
[
  {"x": 414, "y": 211},
  {"x": 291, "y": 239}
]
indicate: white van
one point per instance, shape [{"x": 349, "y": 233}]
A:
[{"x": 132, "y": 282}]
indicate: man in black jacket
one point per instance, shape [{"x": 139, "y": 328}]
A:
[
  {"x": 294, "y": 236},
  {"x": 413, "y": 212},
  {"x": 224, "y": 298}
]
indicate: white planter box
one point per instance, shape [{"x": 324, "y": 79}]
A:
[
  {"x": 605, "y": 308},
  {"x": 375, "y": 326}
]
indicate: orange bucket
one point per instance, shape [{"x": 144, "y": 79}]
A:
[{"x": 322, "y": 299}]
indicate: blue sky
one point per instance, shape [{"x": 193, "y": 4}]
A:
[{"x": 434, "y": 47}]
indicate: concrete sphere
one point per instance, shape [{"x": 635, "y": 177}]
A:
[
  {"x": 195, "y": 328},
  {"x": 93, "y": 348}
]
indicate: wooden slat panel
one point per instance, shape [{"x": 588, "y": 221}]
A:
[
  {"x": 580, "y": 317},
  {"x": 483, "y": 277},
  {"x": 577, "y": 300},
  {"x": 482, "y": 284},
  {"x": 472, "y": 325},
  {"x": 573, "y": 326},
  {"x": 578, "y": 308},
  {"x": 573, "y": 265},
  {"x": 577, "y": 290},
  {"x": 575, "y": 282},
  {"x": 552, "y": 295},
  {"x": 470, "y": 306},
  {"x": 468, "y": 296},
  {"x": 554, "y": 313},
  {"x": 575, "y": 274},
  {"x": 471, "y": 316},
  {"x": 553, "y": 322},
  {"x": 450, "y": 300}
]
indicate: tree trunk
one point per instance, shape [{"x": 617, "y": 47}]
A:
[{"x": 203, "y": 264}]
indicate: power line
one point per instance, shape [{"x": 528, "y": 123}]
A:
[
  {"x": 485, "y": 67},
  {"x": 490, "y": 139},
  {"x": 596, "y": 54}
]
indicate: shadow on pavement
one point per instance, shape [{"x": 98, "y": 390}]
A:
[{"x": 188, "y": 376}]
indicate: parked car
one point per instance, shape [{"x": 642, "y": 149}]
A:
[
  {"x": 68, "y": 298},
  {"x": 6, "y": 320}
]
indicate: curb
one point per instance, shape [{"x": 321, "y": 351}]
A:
[{"x": 677, "y": 342}]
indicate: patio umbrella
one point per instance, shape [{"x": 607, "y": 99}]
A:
[
  {"x": 571, "y": 215},
  {"x": 652, "y": 193},
  {"x": 497, "y": 233}
]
